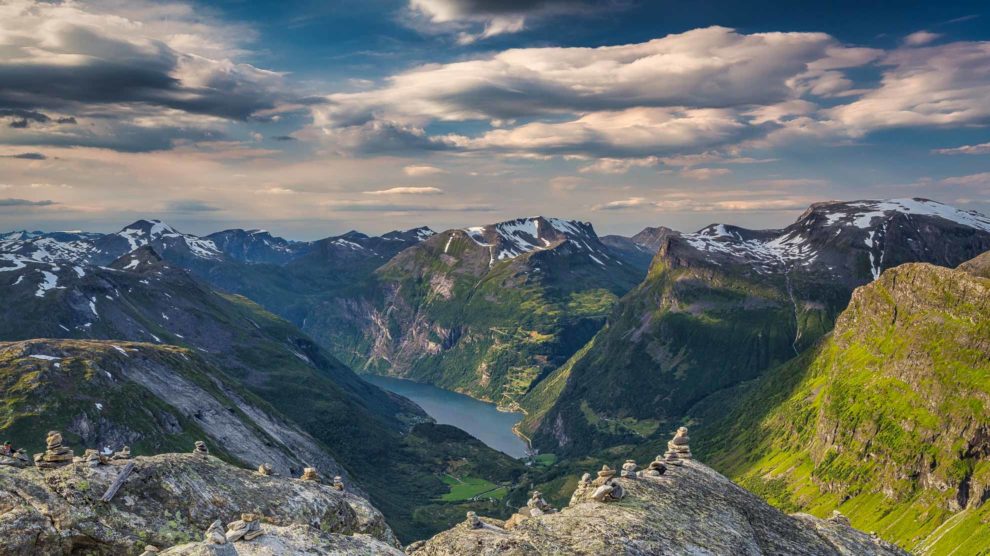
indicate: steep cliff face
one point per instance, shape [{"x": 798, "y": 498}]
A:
[
  {"x": 886, "y": 420},
  {"x": 150, "y": 397},
  {"x": 689, "y": 510},
  {"x": 724, "y": 305},
  {"x": 490, "y": 310},
  {"x": 172, "y": 499}
]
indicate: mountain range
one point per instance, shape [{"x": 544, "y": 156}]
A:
[{"x": 605, "y": 343}]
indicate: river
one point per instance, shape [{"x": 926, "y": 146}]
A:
[{"x": 479, "y": 419}]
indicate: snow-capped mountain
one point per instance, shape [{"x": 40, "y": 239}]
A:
[
  {"x": 512, "y": 238},
  {"x": 882, "y": 233}
]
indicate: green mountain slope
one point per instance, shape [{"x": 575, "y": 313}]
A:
[
  {"x": 141, "y": 298},
  {"x": 886, "y": 420},
  {"x": 724, "y": 305},
  {"x": 490, "y": 311}
]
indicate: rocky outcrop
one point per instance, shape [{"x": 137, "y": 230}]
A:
[
  {"x": 172, "y": 499},
  {"x": 691, "y": 509}
]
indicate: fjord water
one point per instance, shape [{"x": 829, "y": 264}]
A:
[{"x": 479, "y": 419}]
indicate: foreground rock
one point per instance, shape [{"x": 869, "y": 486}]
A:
[
  {"x": 690, "y": 509},
  {"x": 173, "y": 499}
]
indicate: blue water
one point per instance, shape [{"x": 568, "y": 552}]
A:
[{"x": 479, "y": 419}]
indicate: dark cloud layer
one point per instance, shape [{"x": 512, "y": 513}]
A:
[{"x": 9, "y": 202}]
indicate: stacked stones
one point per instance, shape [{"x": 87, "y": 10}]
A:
[
  {"x": 150, "y": 550},
  {"x": 265, "y": 470},
  {"x": 93, "y": 458},
  {"x": 656, "y": 468},
  {"x": 310, "y": 474},
  {"x": 125, "y": 453},
  {"x": 247, "y": 528},
  {"x": 215, "y": 534},
  {"x": 55, "y": 455},
  {"x": 679, "y": 444},
  {"x": 201, "y": 449},
  {"x": 16, "y": 459},
  {"x": 338, "y": 483},
  {"x": 607, "y": 489},
  {"x": 537, "y": 505},
  {"x": 473, "y": 521},
  {"x": 582, "y": 489},
  {"x": 629, "y": 469}
]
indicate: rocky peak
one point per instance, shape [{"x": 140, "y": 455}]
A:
[
  {"x": 689, "y": 509},
  {"x": 512, "y": 238},
  {"x": 143, "y": 259}
]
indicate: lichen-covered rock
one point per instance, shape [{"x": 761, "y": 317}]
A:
[
  {"x": 294, "y": 539},
  {"x": 167, "y": 500},
  {"x": 689, "y": 510}
]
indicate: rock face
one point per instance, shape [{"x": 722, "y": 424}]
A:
[
  {"x": 173, "y": 499},
  {"x": 690, "y": 510}
]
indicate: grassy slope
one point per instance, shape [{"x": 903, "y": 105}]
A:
[{"x": 886, "y": 420}]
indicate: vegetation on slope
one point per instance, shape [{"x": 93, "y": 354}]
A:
[{"x": 886, "y": 420}]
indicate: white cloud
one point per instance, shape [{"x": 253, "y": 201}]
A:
[
  {"x": 625, "y": 204},
  {"x": 944, "y": 85},
  {"x": 619, "y": 165},
  {"x": 704, "y": 174},
  {"x": 982, "y": 148},
  {"x": 473, "y": 20},
  {"x": 420, "y": 170},
  {"x": 982, "y": 178},
  {"x": 407, "y": 191},
  {"x": 920, "y": 38}
]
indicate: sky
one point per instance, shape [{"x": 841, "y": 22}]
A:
[{"x": 314, "y": 117}]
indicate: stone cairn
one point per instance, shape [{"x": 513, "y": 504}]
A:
[
  {"x": 537, "y": 505},
  {"x": 124, "y": 453},
  {"x": 310, "y": 474},
  {"x": 338, "y": 483},
  {"x": 150, "y": 550},
  {"x": 265, "y": 470},
  {"x": 606, "y": 488},
  {"x": 201, "y": 449},
  {"x": 17, "y": 458},
  {"x": 629, "y": 469},
  {"x": 94, "y": 458},
  {"x": 55, "y": 454},
  {"x": 215, "y": 534},
  {"x": 246, "y": 528},
  {"x": 473, "y": 521},
  {"x": 656, "y": 468},
  {"x": 678, "y": 446},
  {"x": 584, "y": 485}
]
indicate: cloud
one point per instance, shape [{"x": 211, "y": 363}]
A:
[
  {"x": 407, "y": 191},
  {"x": 982, "y": 178},
  {"x": 377, "y": 206},
  {"x": 190, "y": 205},
  {"x": 283, "y": 138},
  {"x": 920, "y": 38},
  {"x": 619, "y": 165},
  {"x": 276, "y": 190},
  {"x": 124, "y": 65},
  {"x": 982, "y": 148},
  {"x": 8, "y": 202},
  {"x": 704, "y": 174},
  {"x": 26, "y": 156},
  {"x": 943, "y": 85},
  {"x": 420, "y": 170},
  {"x": 625, "y": 204},
  {"x": 693, "y": 89},
  {"x": 494, "y": 17}
]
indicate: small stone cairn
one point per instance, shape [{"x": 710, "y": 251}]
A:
[
  {"x": 124, "y": 453},
  {"x": 537, "y": 505},
  {"x": 56, "y": 455},
  {"x": 338, "y": 483},
  {"x": 629, "y": 469},
  {"x": 606, "y": 488},
  {"x": 310, "y": 474},
  {"x": 201, "y": 449},
  {"x": 656, "y": 468},
  {"x": 246, "y": 528},
  {"x": 473, "y": 521},
  {"x": 17, "y": 458},
  {"x": 265, "y": 470},
  {"x": 94, "y": 458},
  {"x": 215, "y": 534},
  {"x": 679, "y": 444},
  {"x": 584, "y": 485},
  {"x": 150, "y": 550}
]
